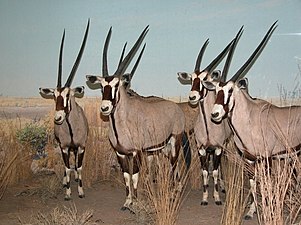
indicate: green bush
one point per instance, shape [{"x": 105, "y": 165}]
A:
[{"x": 34, "y": 135}]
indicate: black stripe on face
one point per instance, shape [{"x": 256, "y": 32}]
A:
[
  {"x": 196, "y": 85},
  {"x": 59, "y": 103},
  {"x": 107, "y": 93},
  {"x": 59, "y": 100},
  {"x": 220, "y": 97},
  {"x": 107, "y": 89}
]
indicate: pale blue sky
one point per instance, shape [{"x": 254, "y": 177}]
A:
[{"x": 31, "y": 32}]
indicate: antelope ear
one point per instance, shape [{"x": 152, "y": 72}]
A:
[
  {"x": 47, "y": 93},
  {"x": 184, "y": 78},
  {"x": 79, "y": 91},
  {"x": 93, "y": 82},
  {"x": 216, "y": 75},
  {"x": 209, "y": 85},
  {"x": 126, "y": 80},
  {"x": 93, "y": 79},
  {"x": 243, "y": 83}
]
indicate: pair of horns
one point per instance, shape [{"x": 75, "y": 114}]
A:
[
  {"x": 230, "y": 48},
  {"x": 76, "y": 63},
  {"x": 215, "y": 62},
  {"x": 123, "y": 62},
  {"x": 249, "y": 63}
]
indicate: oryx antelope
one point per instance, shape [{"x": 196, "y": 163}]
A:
[
  {"x": 261, "y": 130},
  {"x": 137, "y": 125},
  {"x": 70, "y": 123},
  {"x": 210, "y": 137}
]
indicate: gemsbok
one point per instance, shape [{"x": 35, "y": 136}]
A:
[
  {"x": 261, "y": 129},
  {"x": 210, "y": 137},
  {"x": 137, "y": 125},
  {"x": 70, "y": 123}
]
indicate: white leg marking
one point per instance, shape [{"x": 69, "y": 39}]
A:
[
  {"x": 135, "y": 179},
  {"x": 202, "y": 151},
  {"x": 129, "y": 198},
  {"x": 80, "y": 188},
  {"x": 215, "y": 192},
  {"x": 205, "y": 184},
  {"x": 218, "y": 151},
  {"x": 173, "y": 146},
  {"x": 68, "y": 189},
  {"x": 252, "y": 209}
]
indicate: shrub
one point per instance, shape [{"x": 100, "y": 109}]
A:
[{"x": 35, "y": 136}]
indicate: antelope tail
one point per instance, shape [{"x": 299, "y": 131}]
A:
[{"x": 186, "y": 150}]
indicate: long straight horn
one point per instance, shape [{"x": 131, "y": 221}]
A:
[
  {"x": 218, "y": 59},
  {"x": 122, "y": 54},
  {"x": 230, "y": 55},
  {"x": 249, "y": 63},
  {"x": 200, "y": 56},
  {"x": 59, "y": 76},
  {"x": 77, "y": 61},
  {"x": 137, "y": 62},
  {"x": 127, "y": 60},
  {"x": 105, "y": 71}
]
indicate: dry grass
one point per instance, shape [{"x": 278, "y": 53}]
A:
[
  {"x": 236, "y": 194},
  {"x": 23, "y": 102},
  {"x": 167, "y": 193},
  {"x": 278, "y": 197},
  {"x": 62, "y": 215},
  {"x": 14, "y": 162}
]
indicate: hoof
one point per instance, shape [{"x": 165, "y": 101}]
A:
[
  {"x": 204, "y": 203},
  {"x": 218, "y": 203},
  {"x": 67, "y": 198},
  {"x": 124, "y": 208},
  {"x": 248, "y": 217},
  {"x": 81, "y": 196}
]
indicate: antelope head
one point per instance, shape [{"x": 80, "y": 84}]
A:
[
  {"x": 226, "y": 91},
  {"x": 196, "y": 79},
  {"x": 62, "y": 95},
  {"x": 110, "y": 84}
]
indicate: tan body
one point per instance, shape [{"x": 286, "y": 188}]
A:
[
  {"x": 79, "y": 129},
  {"x": 217, "y": 134},
  {"x": 139, "y": 123},
  {"x": 263, "y": 129}
]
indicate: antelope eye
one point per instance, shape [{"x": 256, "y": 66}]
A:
[{"x": 230, "y": 91}]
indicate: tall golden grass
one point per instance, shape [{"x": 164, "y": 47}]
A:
[
  {"x": 14, "y": 164},
  {"x": 278, "y": 193}
]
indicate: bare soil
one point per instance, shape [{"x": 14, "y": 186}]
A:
[{"x": 105, "y": 199}]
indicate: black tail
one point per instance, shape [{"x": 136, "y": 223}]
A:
[{"x": 186, "y": 150}]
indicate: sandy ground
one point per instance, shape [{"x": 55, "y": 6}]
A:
[{"x": 105, "y": 200}]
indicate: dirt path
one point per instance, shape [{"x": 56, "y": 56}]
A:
[{"x": 105, "y": 199}]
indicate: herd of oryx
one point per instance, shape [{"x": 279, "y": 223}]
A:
[{"x": 145, "y": 125}]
